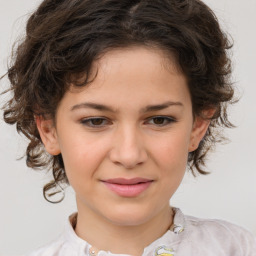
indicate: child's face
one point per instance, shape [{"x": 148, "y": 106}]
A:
[{"x": 132, "y": 124}]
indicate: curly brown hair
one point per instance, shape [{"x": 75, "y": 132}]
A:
[{"x": 63, "y": 38}]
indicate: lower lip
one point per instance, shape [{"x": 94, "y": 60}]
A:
[{"x": 128, "y": 190}]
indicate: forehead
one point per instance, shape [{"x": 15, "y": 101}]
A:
[
  {"x": 137, "y": 74},
  {"x": 139, "y": 58}
]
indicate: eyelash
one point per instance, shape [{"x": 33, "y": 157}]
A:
[
  {"x": 167, "y": 120},
  {"x": 88, "y": 121}
]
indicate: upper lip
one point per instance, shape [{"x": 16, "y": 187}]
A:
[{"x": 124, "y": 181}]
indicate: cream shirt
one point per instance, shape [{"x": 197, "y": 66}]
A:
[{"x": 188, "y": 236}]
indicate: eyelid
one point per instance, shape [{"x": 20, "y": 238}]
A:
[
  {"x": 86, "y": 121},
  {"x": 169, "y": 120}
]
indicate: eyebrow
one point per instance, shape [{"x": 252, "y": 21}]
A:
[
  {"x": 146, "y": 109},
  {"x": 93, "y": 106},
  {"x": 157, "y": 107}
]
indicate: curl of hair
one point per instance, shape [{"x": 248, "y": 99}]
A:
[{"x": 63, "y": 39}]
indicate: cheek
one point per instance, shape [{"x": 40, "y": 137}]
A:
[
  {"x": 173, "y": 150},
  {"x": 82, "y": 156},
  {"x": 172, "y": 161}
]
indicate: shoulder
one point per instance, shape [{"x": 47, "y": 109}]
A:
[
  {"x": 67, "y": 244},
  {"x": 219, "y": 233}
]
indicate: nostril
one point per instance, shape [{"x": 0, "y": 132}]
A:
[{"x": 128, "y": 153}]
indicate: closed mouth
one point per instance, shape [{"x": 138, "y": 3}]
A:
[
  {"x": 124, "y": 181},
  {"x": 128, "y": 187}
]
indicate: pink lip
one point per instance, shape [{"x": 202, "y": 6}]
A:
[{"x": 128, "y": 187}]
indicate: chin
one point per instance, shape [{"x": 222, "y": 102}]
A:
[{"x": 128, "y": 216}]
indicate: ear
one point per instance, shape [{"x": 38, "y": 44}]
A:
[
  {"x": 200, "y": 126},
  {"x": 48, "y": 135}
]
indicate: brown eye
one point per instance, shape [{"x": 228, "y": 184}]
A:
[
  {"x": 161, "y": 120},
  {"x": 95, "y": 122},
  {"x": 158, "y": 120}
]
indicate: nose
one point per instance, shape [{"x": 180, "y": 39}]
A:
[{"x": 128, "y": 148}]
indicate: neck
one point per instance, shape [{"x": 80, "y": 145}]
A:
[{"x": 105, "y": 235}]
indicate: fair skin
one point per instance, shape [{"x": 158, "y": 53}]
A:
[{"x": 142, "y": 132}]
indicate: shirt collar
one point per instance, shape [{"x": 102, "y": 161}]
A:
[{"x": 162, "y": 246}]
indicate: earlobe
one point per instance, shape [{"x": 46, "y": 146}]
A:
[
  {"x": 48, "y": 134},
  {"x": 200, "y": 127}
]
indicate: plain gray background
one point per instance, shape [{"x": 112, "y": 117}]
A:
[{"x": 28, "y": 221}]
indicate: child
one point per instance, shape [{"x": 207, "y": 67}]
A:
[{"x": 117, "y": 98}]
